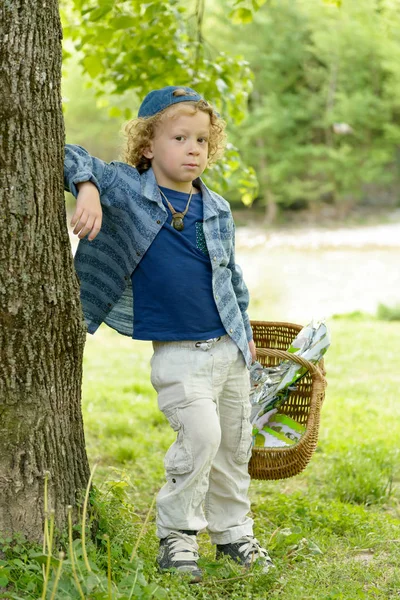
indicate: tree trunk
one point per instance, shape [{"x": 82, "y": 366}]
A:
[{"x": 42, "y": 332}]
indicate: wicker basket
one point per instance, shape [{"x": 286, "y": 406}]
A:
[{"x": 303, "y": 405}]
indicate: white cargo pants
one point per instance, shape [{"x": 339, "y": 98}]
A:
[{"x": 205, "y": 396}]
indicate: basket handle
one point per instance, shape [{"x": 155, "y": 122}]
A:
[{"x": 313, "y": 369}]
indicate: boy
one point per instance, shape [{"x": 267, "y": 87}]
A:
[{"x": 160, "y": 267}]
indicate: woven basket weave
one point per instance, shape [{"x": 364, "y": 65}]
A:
[{"x": 303, "y": 405}]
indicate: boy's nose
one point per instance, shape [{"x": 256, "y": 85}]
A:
[{"x": 193, "y": 148}]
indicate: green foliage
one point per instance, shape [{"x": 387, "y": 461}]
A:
[
  {"x": 135, "y": 47},
  {"x": 139, "y": 47},
  {"x": 111, "y": 571},
  {"x": 355, "y": 315},
  {"x": 324, "y": 114},
  {"x": 388, "y": 313},
  {"x": 86, "y": 116},
  {"x": 231, "y": 174},
  {"x": 243, "y": 11}
]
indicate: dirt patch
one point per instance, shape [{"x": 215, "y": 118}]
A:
[{"x": 365, "y": 556}]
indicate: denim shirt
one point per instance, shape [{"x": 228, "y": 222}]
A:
[{"x": 133, "y": 214}]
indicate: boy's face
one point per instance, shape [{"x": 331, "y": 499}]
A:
[{"x": 179, "y": 149}]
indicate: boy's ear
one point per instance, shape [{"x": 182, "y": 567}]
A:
[{"x": 148, "y": 152}]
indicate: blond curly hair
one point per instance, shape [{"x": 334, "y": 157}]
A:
[{"x": 139, "y": 132}]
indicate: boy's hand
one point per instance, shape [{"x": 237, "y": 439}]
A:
[
  {"x": 252, "y": 348},
  {"x": 88, "y": 214}
]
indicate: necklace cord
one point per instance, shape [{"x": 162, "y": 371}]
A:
[{"x": 175, "y": 214}]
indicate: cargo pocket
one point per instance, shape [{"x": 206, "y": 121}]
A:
[
  {"x": 243, "y": 452},
  {"x": 179, "y": 457}
]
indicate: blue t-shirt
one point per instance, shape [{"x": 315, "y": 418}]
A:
[{"x": 172, "y": 284}]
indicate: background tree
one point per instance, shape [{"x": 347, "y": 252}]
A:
[
  {"x": 41, "y": 327},
  {"x": 323, "y": 119}
]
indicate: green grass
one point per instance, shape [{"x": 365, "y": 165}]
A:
[{"x": 333, "y": 531}]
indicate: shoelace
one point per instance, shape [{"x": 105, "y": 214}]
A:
[
  {"x": 184, "y": 547},
  {"x": 251, "y": 546}
]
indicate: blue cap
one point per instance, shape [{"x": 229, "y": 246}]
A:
[{"x": 158, "y": 100}]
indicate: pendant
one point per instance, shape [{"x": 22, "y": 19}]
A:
[{"x": 177, "y": 223}]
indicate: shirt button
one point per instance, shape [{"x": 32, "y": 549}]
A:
[
  {"x": 109, "y": 305},
  {"x": 215, "y": 258},
  {"x": 231, "y": 330},
  {"x": 138, "y": 253},
  {"x": 158, "y": 221},
  {"x": 216, "y": 297}
]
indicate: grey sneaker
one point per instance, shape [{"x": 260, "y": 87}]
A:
[
  {"x": 246, "y": 551},
  {"x": 180, "y": 551}
]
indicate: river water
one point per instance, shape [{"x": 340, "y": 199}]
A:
[{"x": 297, "y": 275}]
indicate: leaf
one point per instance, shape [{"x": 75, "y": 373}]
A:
[
  {"x": 247, "y": 199},
  {"x": 92, "y": 65},
  {"x": 102, "y": 103},
  {"x": 257, "y": 4},
  {"x": 92, "y": 581},
  {"x": 101, "y": 11},
  {"x": 155, "y": 591},
  {"x": 115, "y": 112},
  {"x": 241, "y": 16},
  {"x": 3, "y": 581},
  {"x": 124, "y": 22},
  {"x": 42, "y": 558},
  {"x": 314, "y": 549},
  {"x": 18, "y": 562},
  {"x": 103, "y": 36}
]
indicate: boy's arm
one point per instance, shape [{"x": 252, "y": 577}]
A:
[
  {"x": 240, "y": 289},
  {"x": 88, "y": 215},
  {"x": 84, "y": 177},
  {"x": 80, "y": 167}
]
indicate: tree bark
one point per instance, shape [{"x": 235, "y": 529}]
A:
[{"x": 42, "y": 332}]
